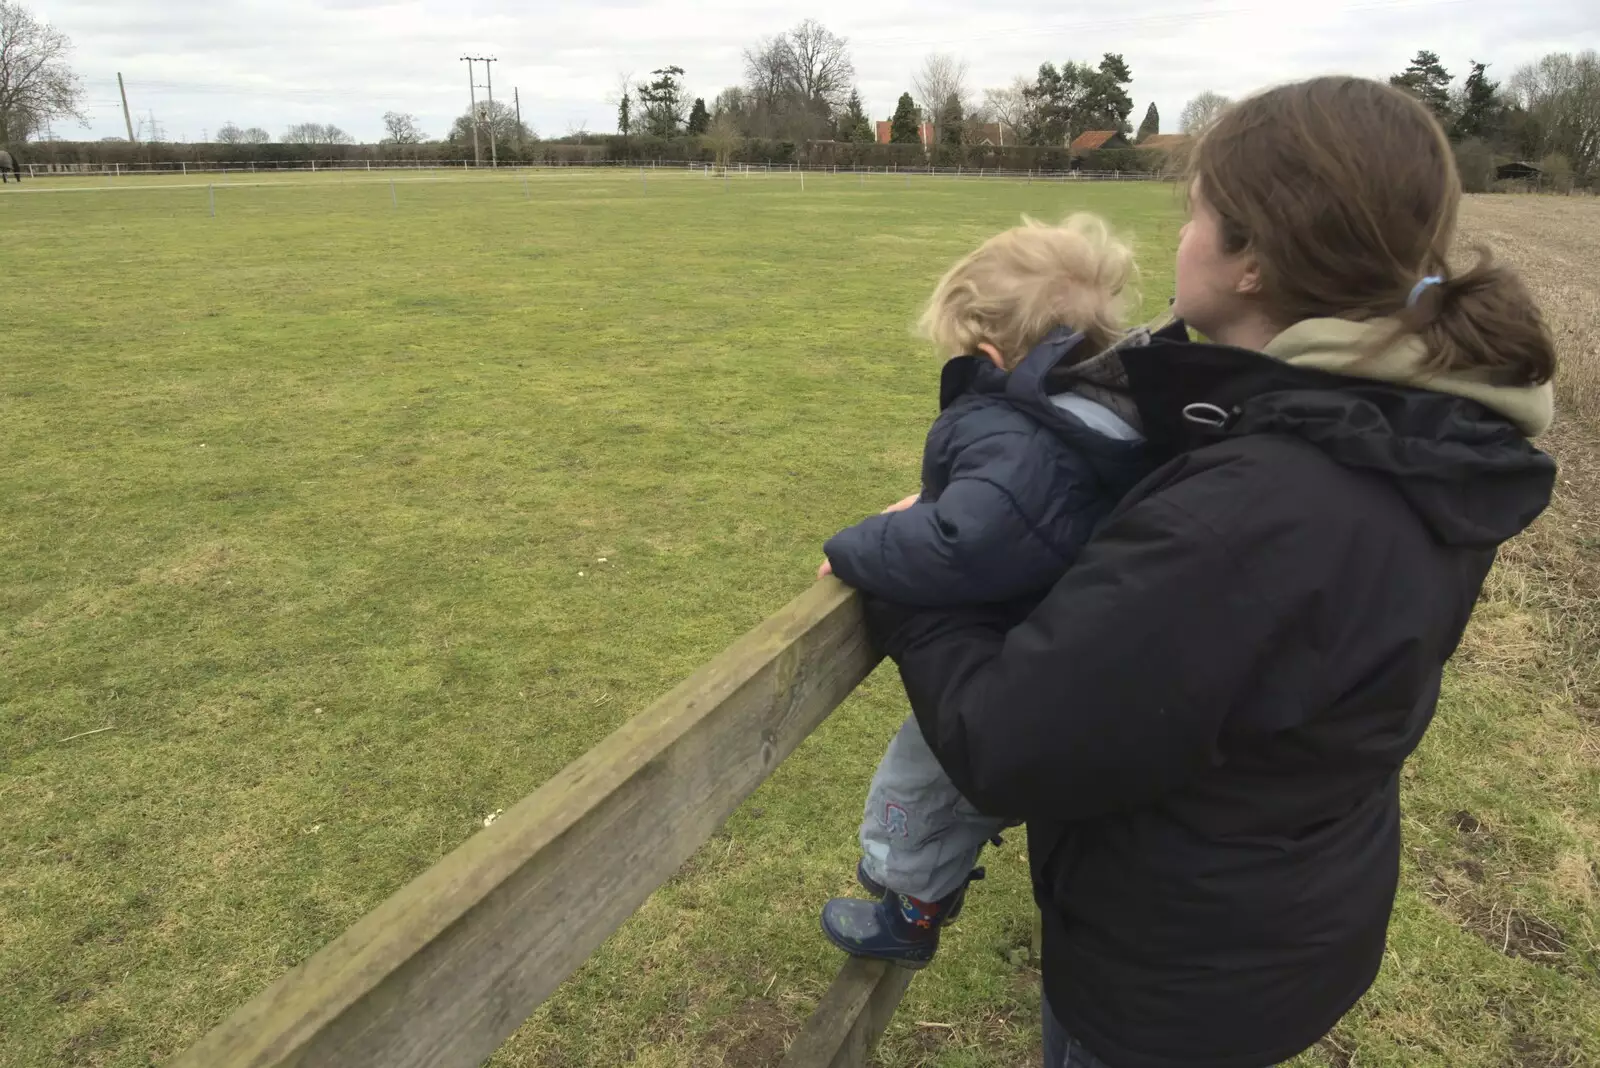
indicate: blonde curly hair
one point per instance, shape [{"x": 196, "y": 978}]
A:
[{"x": 1019, "y": 285}]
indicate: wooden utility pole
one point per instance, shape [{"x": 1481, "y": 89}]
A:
[
  {"x": 516, "y": 95},
  {"x": 126, "y": 117},
  {"x": 494, "y": 151},
  {"x": 472, "y": 112}
]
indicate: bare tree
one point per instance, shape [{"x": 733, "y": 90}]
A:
[
  {"x": 821, "y": 70},
  {"x": 769, "y": 71},
  {"x": 731, "y": 101},
  {"x": 316, "y": 133},
  {"x": 722, "y": 137},
  {"x": 402, "y": 129},
  {"x": 1009, "y": 106},
  {"x": 941, "y": 78},
  {"x": 796, "y": 82},
  {"x": 499, "y": 116},
  {"x": 36, "y": 85},
  {"x": 230, "y": 134},
  {"x": 255, "y": 135},
  {"x": 1201, "y": 112},
  {"x": 621, "y": 98},
  {"x": 1562, "y": 94}
]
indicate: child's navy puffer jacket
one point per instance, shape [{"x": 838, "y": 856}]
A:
[{"x": 1013, "y": 485}]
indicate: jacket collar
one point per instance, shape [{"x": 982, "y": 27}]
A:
[
  {"x": 1381, "y": 351},
  {"x": 1189, "y": 392},
  {"x": 1024, "y": 383},
  {"x": 1467, "y": 470}
]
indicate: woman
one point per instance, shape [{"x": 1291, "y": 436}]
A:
[{"x": 1204, "y": 722}]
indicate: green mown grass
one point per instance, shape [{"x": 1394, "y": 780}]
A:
[{"x": 356, "y": 522}]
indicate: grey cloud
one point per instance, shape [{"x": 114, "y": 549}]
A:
[{"x": 198, "y": 63}]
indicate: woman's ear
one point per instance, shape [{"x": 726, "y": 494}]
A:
[
  {"x": 1249, "y": 284},
  {"x": 993, "y": 354}
]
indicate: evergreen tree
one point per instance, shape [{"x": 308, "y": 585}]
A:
[
  {"x": 952, "y": 120},
  {"x": 1111, "y": 97},
  {"x": 699, "y": 118},
  {"x": 1480, "y": 106},
  {"x": 662, "y": 102},
  {"x": 1152, "y": 122},
  {"x": 903, "y": 128},
  {"x": 625, "y": 114},
  {"x": 1428, "y": 81},
  {"x": 1077, "y": 97},
  {"x": 853, "y": 122}
]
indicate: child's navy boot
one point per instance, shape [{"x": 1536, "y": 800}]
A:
[{"x": 896, "y": 927}]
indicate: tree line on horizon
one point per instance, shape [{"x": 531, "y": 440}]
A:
[{"x": 799, "y": 86}]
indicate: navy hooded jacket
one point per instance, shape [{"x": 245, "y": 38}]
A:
[{"x": 1012, "y": 488}]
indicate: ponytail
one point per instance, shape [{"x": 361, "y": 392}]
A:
[{"x": 1483, "y": 319}]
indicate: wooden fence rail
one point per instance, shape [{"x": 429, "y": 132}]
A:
[
  {"x": 443, "y": 971},
  {"x": 851, "y": 1016}
]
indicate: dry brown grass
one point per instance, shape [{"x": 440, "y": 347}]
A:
[
  {"x": 1550, "y": 577},
  {"x": 1555, "y": 243},
  {"x": 1519, "y": 733}
]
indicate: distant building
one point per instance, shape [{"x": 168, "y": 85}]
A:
[
  {"x": 995, "y": 134},
  {"x": 886, "y": 133},
  {"x": 1174, "y": 150},
  {"x": 1518, "y": 171},
  {"x": 1167, "y": 142},
  {"x": 1090, "y": 140}
]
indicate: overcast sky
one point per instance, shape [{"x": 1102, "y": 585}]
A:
[{"x": 199, "y": 63}]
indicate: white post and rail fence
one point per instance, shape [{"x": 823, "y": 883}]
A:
[
  {"x": 440, "y": 974},
  {"x": 333, "y": 166}
]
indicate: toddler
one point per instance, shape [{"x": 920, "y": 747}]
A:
[{"x": 1037, "y": 440}]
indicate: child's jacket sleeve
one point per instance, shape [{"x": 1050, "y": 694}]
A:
[{"x": 1009, "y": 522}]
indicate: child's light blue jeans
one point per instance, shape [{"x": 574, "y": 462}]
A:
[{"x": 919, "y": 836}]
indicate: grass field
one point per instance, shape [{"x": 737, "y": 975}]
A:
[{"x": 358, "y": 514}]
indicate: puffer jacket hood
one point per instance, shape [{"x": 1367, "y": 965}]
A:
[
  {"x": 1467, "y": 469},
  {"x": 1348, "y": 348},
  {"x": 1028, "y": 387}
]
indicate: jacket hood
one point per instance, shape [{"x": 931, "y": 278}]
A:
[
  {"x": 1027, "y": 387},
  {"x": 1466, "y": 468},
  {"x": 1347, "y": 348}
]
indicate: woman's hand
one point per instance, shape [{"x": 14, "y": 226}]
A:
[{"x": 825, "y": 570}]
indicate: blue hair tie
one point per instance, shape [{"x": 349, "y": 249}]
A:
[{"x": 1417, "y": 290}]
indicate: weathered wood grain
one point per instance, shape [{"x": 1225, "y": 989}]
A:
[
  {"x": 440, "y": 973},
  {"x": 850, "y": 1017}
]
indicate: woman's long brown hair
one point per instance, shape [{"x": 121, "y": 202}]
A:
[{"x": 1346, "y": 192}]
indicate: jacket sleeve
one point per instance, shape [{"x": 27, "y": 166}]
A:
[
  {"x": 975, "y": 544},
  {"x": 1112, "y": 693}
]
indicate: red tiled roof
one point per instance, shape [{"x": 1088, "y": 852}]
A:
[
  {"x": 1165, "y": 141},
  {"x": 1090, "y": 140}
]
